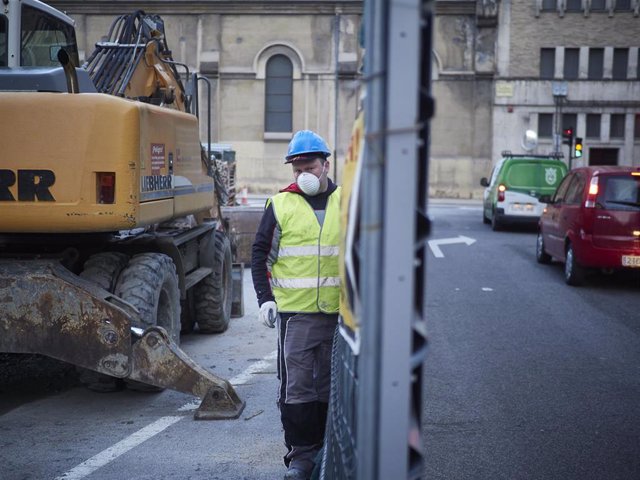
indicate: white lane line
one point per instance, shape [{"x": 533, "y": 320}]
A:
[
  {"x": 240, "y": 379},
  {"x": 254, "y": 368},
  {"x": 106, "y": 456}
]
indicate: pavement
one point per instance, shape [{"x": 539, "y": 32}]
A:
[{"x": 258, "y": 200}]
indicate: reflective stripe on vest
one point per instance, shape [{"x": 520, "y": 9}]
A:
[{"x": 304, "y": 268}]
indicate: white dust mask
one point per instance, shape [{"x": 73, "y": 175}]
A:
[{"x": 309, "y": 183}]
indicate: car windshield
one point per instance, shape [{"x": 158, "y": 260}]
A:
[{"x": 621, "y": 192}]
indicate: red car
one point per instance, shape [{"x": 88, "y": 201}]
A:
[{"x": 592, "y": 221}]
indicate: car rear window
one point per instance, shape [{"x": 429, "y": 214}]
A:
[
  {"x": 534, "y": 175},
  {"x": 620, "y": 192}
]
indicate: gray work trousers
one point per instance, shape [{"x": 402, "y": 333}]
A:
[{"x": 305, "y": 341}]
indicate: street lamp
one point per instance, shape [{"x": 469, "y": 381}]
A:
[{"x": 559, "y": 90}]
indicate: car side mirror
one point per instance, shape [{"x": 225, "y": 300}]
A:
[
  {"x": 544, "y": 199},
  {"x": 484, "y": 182}
]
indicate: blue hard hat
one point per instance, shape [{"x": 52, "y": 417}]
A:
[{"x": 305, "y": 142}]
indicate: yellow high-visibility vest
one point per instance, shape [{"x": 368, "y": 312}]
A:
[{"x": 304, "y": 255}]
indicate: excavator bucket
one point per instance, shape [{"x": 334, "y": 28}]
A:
[
  {"x": 157, "y": 360},
  {"x": 46, "y": 309}
]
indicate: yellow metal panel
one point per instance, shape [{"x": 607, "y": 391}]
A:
[
  {"x": 73, "y": 137},
  {"x": 156, "y": 211},
  {"x": 170, "y": 145},
  {"x": 54, "y": 145}
]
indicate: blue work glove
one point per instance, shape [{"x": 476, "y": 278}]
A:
[{"x": 268, "y": 314}]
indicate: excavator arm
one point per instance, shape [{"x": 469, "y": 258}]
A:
[{"x": 136, "y": 63}]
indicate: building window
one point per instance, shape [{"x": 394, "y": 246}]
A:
[
  {"x": 636, "y": 127},
  {"x": 569, "y": 120},
  {"x": 620, "y": 63},
  {"x": 278, "y": 94},
  {"x": 574, "y": 5},
  {"x": 571, "y": 61},
  {"x": 545, "y": 125},
  {"x": 617, "y": 125},
  {"x": 622, "y": 5},
  {"x": 596, "y": 63},
  {"x": 593, "y": 125},
  {"x": 549, "y": 5},
  {"x": 598, "y": 5},
  {"x": 547, "y": 62}
]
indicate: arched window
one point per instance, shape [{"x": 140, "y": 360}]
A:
[{"x": 278, "y": 94}]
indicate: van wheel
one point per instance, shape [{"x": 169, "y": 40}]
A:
[
  {"x": 212, "y": 296},
  {"x": 541, "y": 255},
  {"x": 496, "y": 225},
  {"x": 485, "y": 220},
  {"x": 573, "y": 273}
]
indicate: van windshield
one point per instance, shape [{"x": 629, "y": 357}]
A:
[{"x": 621, "y": 192}]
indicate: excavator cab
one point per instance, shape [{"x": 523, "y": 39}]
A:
[{"x": 32, "y": 35}]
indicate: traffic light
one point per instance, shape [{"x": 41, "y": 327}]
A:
[
  {"x": 567, "y": 136},
  {"x": 578, "y": 148}
]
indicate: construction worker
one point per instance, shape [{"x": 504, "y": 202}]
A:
[{"x": 294, "y": 266}]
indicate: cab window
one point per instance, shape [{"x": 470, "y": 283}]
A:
[{"x": 42, "y": 35}]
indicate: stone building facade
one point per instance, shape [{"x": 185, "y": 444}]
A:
[
  {"x": 315, "y": 46},
  {"x": 569, "y": 64},
  {"x": 496, "y": 64}
]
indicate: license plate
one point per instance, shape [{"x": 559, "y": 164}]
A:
[
  {"x": 528, "y": 207},
  {"x": 631, "y": 260}
]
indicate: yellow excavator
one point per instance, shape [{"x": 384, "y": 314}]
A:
[{"x": 112, "y": 240}]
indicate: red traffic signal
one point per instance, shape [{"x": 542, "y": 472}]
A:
[{"x": 567, "y": 136}]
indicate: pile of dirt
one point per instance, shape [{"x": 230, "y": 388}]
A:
[{"x": 27, "y": 377}]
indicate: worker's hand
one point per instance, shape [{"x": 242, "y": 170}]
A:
[{"x": 268, "y": 313}]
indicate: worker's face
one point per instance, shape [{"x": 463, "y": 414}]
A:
[{"x": 316, "y": 166}]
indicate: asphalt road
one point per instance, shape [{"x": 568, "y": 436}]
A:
[
  {"x": 75, "y": 433},
  {"x": 526, "y": 377}
]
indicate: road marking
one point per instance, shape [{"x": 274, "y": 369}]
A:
[
  {"x": 87, "y": 467},
  {"x": 254, "y": 368},
  {"x": 106, "y": 456},
  {"x": 434, "y": 245}
]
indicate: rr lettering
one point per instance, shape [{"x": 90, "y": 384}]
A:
[
  {"x": 7, "y": 178},
  {"x": 32, "y": 185}
]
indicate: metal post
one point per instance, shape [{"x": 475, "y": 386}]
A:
[
  {"x": 368, "y": 402},
  {"x": 391, "y": 233},
  {"x": 336, "y": 46},
  {"x": 206, "y": 80}
]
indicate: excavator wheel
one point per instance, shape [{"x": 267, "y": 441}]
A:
[
  {"x": 213, "y": 296},
  {"x": 102, "y": 269},
  {"x": 150, "y": 283}
]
